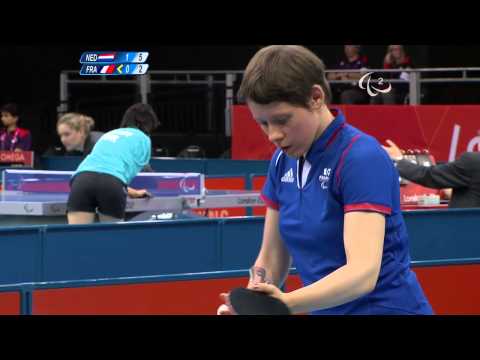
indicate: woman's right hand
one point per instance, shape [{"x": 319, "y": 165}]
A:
[
  {"x": 226, "y": 307},
  {"x": 136, "y": 194}
]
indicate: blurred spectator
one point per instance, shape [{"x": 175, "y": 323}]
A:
[
  {"x": 75, "y": 133},
  {"x": 350, "y": 93},
  {"x": 12, "y": 137},
  {"x": 396, "y": 58},
  {"x": 461, "y": 175}
]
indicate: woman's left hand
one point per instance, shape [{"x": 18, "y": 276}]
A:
[{"x": 272, "y": 291}]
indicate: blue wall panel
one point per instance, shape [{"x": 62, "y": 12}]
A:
[{"x": 82, "y": 252}]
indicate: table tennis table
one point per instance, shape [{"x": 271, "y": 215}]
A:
[{"x": 37, "y": 193}]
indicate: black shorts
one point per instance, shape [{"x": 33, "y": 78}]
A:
[{"x": 90, "y": 191}]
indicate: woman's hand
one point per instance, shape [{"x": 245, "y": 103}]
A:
[
  {"x": 272, "y": 291},
  {"x": 226, "y": 307},
  {"x": 135, "y": 194}
]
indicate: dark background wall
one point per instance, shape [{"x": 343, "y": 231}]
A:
[{"x": 31, "y": 78}]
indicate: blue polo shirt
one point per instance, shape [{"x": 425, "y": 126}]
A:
[
  {"x": 121, "y": 153},
  {"x": 345, "y": 170}
]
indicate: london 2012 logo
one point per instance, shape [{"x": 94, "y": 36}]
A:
[{"x": 371, "y": 89}]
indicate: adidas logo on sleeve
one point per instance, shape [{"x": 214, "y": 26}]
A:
[{"x": 288, "y": 177}]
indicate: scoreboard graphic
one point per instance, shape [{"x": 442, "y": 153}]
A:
[{"x": 113, "y": 63}]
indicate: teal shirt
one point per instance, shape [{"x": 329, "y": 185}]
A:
[{"x": 121, "y": 153}]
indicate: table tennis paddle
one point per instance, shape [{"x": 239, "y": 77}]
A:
[{"x": 250, "y": 302}]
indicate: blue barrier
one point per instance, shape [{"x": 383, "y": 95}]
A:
[
  {"x": 130, "y": 249},
  {"x": 443, "y": 234},
  {"x": 241, "y": 240},
  {"x": 62, "y": 252},
  {"x": 21, "y": 254}
]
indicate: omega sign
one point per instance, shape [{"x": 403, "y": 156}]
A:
[{"x": 8, "y": 156}]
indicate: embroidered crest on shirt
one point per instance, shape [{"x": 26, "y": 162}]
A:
[
  {"x": 324, "y": 178},
  {"x": 288, "y": 177}
]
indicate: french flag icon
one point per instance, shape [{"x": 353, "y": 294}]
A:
[
  {"x": 107, "y": 69},
  {"x": 109, "y": 56}
]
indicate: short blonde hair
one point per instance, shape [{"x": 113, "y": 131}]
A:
[{"x": 77, "y": 122}]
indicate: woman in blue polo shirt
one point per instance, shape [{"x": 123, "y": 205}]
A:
[
  {"x": 100, "y": 183},
  {"x": 332, "y": 195}
]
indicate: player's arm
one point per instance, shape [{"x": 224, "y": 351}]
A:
[
  {"x": 273, "y": 255},
  {"x": 144, "y": 155},
  {"x": 364, "y": 234},
  {"x": 137, "y": 193},
  {"x": 147, "y": 156},
  {"x": 363, "y": 240},
  {"x": 273, "y": 258}
]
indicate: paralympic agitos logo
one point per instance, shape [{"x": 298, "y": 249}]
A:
[{"x": 371, "y": 89}]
